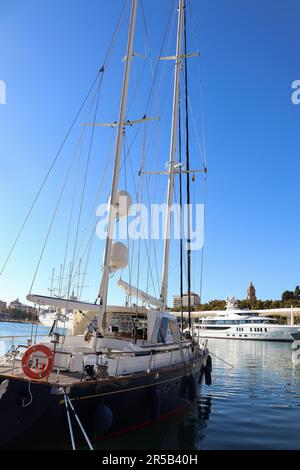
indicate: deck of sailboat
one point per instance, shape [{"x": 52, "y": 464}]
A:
[
  {"x": 69, "y": 379},
  {"x": 64, "y": 379}
]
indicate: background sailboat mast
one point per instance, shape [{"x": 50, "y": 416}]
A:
[
  {"x": 164, "y": 286},
  {"x": 111, "y": 215}
]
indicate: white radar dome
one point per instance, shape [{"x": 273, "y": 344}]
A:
[
  {"x": 123, "y": 204},
  {"x": 119, "y": 257}
]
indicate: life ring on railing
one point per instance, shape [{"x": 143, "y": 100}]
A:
[{"x": 40, "y": 371}]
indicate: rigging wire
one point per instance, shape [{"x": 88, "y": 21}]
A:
[
  {"x": 153, "y": 90},
  {"x": 128, "y": 299},
  {"x": 97, "y": 95},
  {"x": 49, "y": 171},
  {"x": 103, "y": 68},
  {"x": 202, "y": 253},
  {"x": 140, "y": 187},
  {"x": 145, "y": 151},
  {"x": 85, "y": 176},
  {"x": 187, "y": 175},
  {"x": 80, "y": 145},
  {"x": 87, "y": 225},
  {"x": 55, "y": 212},
  {"x": 142, "y": 225},
  {"x": 203, "y": 141},
  {"x": 51, "y": 223},
  {"x": 72, "y": 209},
  {"x": 180, "y": 203},
  {"x": 172, "y": 11}
]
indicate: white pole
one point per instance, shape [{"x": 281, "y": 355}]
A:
[
  {"x": 164, "y": 285},
  {"x": 292, "y": 316},
  {"x": 111, "y": 215}
]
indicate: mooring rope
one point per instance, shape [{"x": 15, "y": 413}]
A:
[
  {"x": 212, "y": 354},
  {"x": 69, "y": 423},
  {"x": 79, "y": 422}
]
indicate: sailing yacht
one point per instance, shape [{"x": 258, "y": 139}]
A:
[
  {"x": 63, "y": 319},
  {"x": 123, "y": 366},
  {"x": 60, "y": 318}
]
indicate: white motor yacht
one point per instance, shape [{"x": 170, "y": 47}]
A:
[{"x": 235, "y": 323}]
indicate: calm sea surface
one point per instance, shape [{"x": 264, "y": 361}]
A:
[{"x": 253, "y": 405}]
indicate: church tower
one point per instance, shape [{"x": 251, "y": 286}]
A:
[{"x": 251, "y": 293}]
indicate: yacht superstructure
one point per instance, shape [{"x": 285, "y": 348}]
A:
[{"x": 234, "y": 323}]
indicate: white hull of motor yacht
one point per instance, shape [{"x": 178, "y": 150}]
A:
[
  {"x": 49, "y": 318},
  {"x": 254, "y": 331}
]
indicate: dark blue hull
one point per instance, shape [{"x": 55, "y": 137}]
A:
[{"x": 35, "y": 415}]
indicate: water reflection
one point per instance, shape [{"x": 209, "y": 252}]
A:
[
  {"x": 183, "y": 431},
  {"x": 256, "y": 404}
]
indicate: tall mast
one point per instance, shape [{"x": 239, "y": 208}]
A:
[
  {"x": 111, "y": 214},
  {"x": 187, "y": 175},
  {"x": 164, "y": 285}
]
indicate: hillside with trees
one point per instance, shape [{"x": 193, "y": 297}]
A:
[{"x": 288, "y": 299}]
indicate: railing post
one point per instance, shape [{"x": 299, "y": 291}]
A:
[
  {"x": 171, "y": 358},
  {"x": 118, "y": 361},
  {"x": 150, "y": 360}
]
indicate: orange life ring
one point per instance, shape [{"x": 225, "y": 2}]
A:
[{"x": 39, "y": 373}]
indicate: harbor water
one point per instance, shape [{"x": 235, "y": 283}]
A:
[{"x": 253, "y": 403}]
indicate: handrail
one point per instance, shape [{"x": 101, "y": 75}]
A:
[
  {"x": 20, "y": 336},
  {"x": 118, "y": 362},
  {"x": 150, "y": 360}
]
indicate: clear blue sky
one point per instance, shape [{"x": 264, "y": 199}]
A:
[{"x": 49, "y": 55}]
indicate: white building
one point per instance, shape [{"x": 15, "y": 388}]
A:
[
  {"x": 195, "y": 300},
  {"x": 17, "y": 305}
]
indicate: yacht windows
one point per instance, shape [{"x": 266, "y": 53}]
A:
[
  {"x": 223, "y": 322},
  {"x": 210, "y": 327},
  {"x": 237, "y": 322}
]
